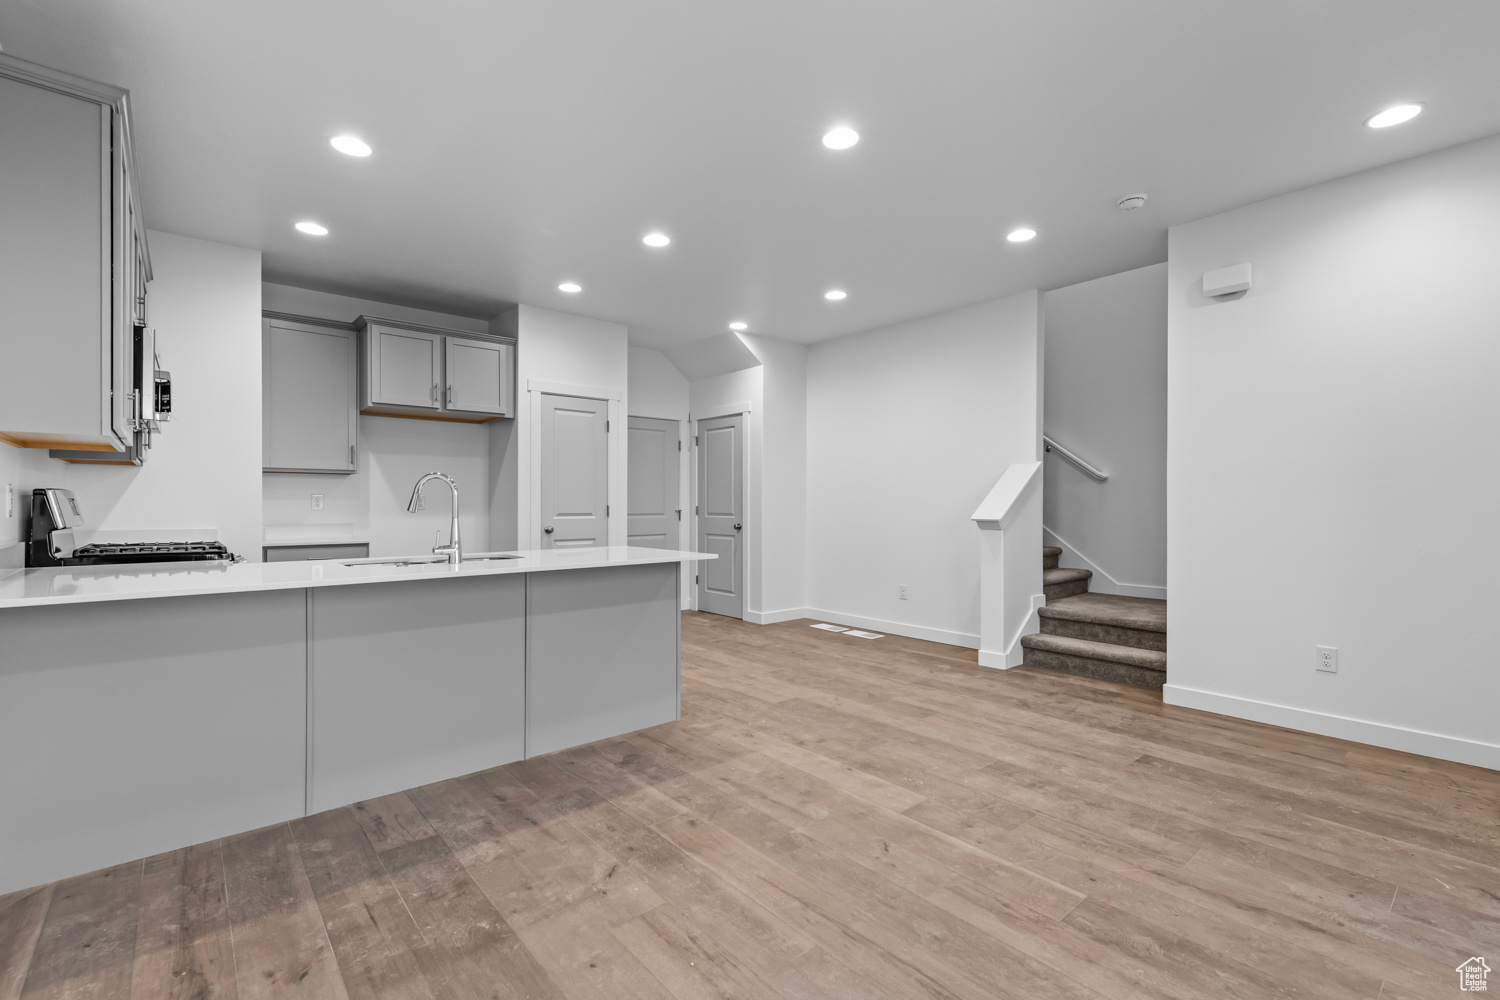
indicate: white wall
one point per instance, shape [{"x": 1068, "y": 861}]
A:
[
  {"x": 1106, "y": 401},
  {"x": 347, "y": 308},
  {"x": 393, "y": 452},
  {"x": 908, "y": 428},
  {"x": 23, "y": 470},
  {"x": 1332, "y": 476},
  {"x": 657, "y": 388},
  {"x": 202, "y": 475},
  {"x": 781, "y": 476},
  {"x": 557, "y": 351}
]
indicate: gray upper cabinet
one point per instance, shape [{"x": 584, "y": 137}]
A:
[
  {"x": 308, "y": 418},
  {"x": 405, "y": 367},
  {"x": 479, "y": 376},
  {"x": 73, "y": 262},
  {"x": 407, "y": 370}
]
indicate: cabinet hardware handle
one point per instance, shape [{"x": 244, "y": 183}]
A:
[
  {"x": 450, "y": 395},
  {"x": 434, "y": 394}
]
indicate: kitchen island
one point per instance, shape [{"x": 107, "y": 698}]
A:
[{"x": 149, "y": 707}]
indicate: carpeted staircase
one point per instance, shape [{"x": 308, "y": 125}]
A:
[{"x": 1104, "y": 636}]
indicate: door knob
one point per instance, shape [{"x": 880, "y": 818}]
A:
[
  {"x": 548, "y": 529},
  {"x": 736, "y": 526}
]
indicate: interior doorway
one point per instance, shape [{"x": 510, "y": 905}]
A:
[
  {"x": 574, "y": 468},
  {"x": 653, "y": 510},
  {"x": 721, "y": 514}
]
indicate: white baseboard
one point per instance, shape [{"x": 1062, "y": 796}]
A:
[
  {"x": 894, "y": 628},
  {"x": 773, "y": 617},
  {"x": 1454, "y": 748},
  {"x": 1102, "y": 583}
]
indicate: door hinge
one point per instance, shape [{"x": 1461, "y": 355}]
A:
[
  {"x": 679, "y": 444},
  {"x": 697, "y": 508},
  {"x": 606, "y": 510},
  {"x": 695, "y": 577},
  {"x": 695, "y": 440},
  {"x": 606, "y": 426}
]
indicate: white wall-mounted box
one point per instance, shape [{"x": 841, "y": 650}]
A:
[{"x": 1223, "y": 281}]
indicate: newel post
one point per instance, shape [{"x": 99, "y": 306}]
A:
[{"x": 1010, "y": 564}]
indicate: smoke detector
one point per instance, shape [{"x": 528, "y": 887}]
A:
[{"x": 1131, "y": 202}]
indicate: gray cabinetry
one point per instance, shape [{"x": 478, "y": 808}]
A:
[
  {"x": 408, "y": 370},
  {"x": 405, "y": 368},
  {"x": 478, "y": 376},
  {"x": 73, "y": 262},
  {"x": 414, "y": 682},
  {"x": 308, "y": 418}
]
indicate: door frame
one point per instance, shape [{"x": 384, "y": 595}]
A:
[
  {"x": 751, "y": 559},
  {"x": 614, "y": 462}
]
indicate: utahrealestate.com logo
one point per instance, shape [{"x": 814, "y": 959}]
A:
[{"x": 1472, "y": 976}]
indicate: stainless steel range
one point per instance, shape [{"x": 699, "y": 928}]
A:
[{"x": 54, "y": 515}]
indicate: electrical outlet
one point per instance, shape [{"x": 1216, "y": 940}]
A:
[
  {"x": 901, "y": 591},
  {"x": 317, "y": 501},
  {"x": 1327, "y": 658}
]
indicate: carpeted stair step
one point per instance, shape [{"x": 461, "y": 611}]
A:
[
  {"x": 1124, "y": 621},
  {"x": 1058, "y": 583},
  {"x": 1103, "y": 661},
  {"x": 1050, "y": 554}
]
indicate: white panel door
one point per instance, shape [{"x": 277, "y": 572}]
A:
[
  {"x": 721, "y": 510},
  {"x": 652, "y": 489},
  {"x": 477, "y": 376},
  {"x": 406, "y": 368},
  {"x": 574, "y": 471}
]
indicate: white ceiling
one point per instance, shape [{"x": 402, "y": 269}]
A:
[{"x": 518, "y": 145}]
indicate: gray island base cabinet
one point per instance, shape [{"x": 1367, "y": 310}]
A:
[{"x": 133, "y": 727}]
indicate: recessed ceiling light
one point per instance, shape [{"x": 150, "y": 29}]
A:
[
  {"x": 656, "y": 239},
  {"x": 1394, "y": 116},
  {"x": 312, "y": 229},
  {"x": 841, "y": 137},
  {"x": 738, "y": 326},
  {"x": 350, "y": 145},
  {"x": 1020, "y": 235},
  {"x": 835, "y": 295},
  {"x": 571, "y": 287}
]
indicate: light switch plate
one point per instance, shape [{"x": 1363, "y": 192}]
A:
[{"x": 10, "y": 499}]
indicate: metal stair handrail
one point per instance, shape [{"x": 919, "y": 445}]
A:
[{"x": 1088, "y": 470}]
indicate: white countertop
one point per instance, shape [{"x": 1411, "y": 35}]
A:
[{"x": 20, "y": 588}]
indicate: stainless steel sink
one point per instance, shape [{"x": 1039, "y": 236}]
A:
[{"x": 422, "y": 560}]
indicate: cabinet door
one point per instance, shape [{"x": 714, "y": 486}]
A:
[
  {"x": 308, "y": 409},
  {"x": 479, "y": 376},
  {"x": 54, "y": 268},
  {"x": 406, "y": 368}
]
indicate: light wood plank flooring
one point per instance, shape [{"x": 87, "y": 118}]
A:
[{"x": 834, "y": 819}]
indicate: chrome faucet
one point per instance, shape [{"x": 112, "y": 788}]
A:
[{"x": 452, "y": 550}]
